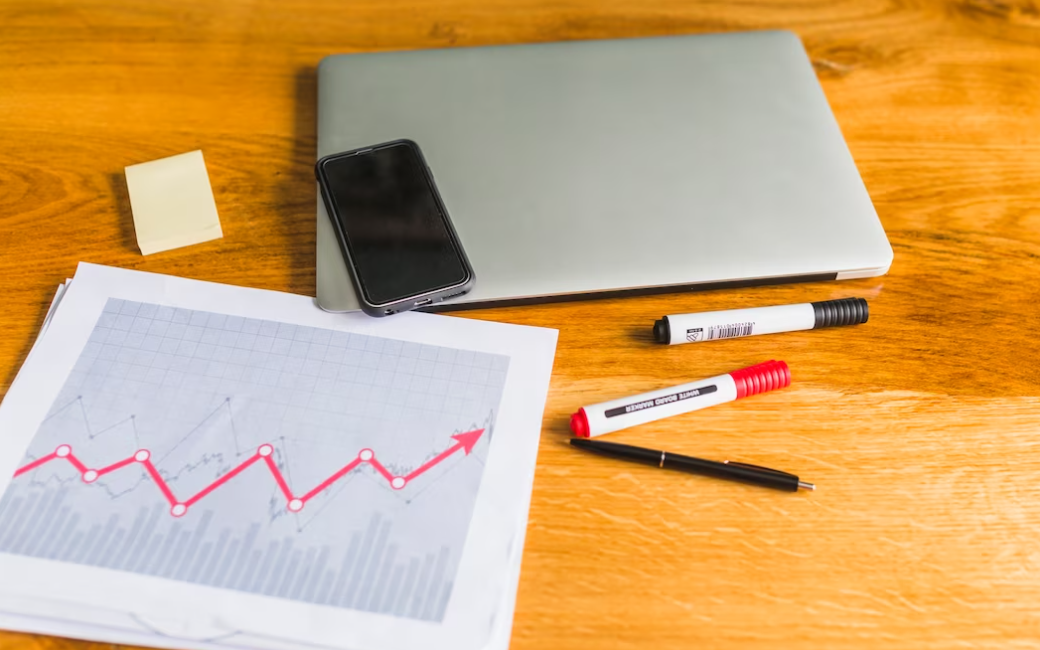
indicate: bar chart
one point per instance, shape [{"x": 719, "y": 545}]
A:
[{"x": 292, "y": 462}]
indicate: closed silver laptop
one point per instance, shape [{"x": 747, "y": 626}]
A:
[{"x": 589, "y": 168}]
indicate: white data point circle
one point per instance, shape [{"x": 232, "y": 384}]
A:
[
  {"x": 90, "y": 476},
  {"x": 366, "y": 455},
  {"x": 62, "y": 451},
  {"x": 265, "y": 450},
  {"x": 296, "y": 505},
  {"x": 142, "y": 456},
  {"x": 178, "y": 510},
  {"x": 397, "y": 483}
]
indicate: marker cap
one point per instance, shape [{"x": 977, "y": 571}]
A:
[
  {"x": 845, "y": 311},
  {"x": 761, "y": 378}
]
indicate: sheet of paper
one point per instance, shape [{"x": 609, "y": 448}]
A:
[
  {"x": 172, "y": 203},
  {"x": 46, "y": 321},
  {"x": 60, "y": 618},
  {"x": 50, "y": 313},
  {"x": 121, "y": 628},
  {"x": 222, "y": 461}
]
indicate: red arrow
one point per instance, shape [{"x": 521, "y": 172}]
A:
[
  {"x": 178, "y": 508},
  {"x": 466, "y": 441}
]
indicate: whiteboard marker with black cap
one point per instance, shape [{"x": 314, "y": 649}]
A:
[
  {"x": 735, "y": 323},
  {"x": 608, "y": 417}
]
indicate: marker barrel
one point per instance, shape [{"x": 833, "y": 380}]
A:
[
  {"x": 736, "y": 323},
  {"x": 608, "y": 417}
]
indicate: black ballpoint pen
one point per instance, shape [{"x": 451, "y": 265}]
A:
[{"x": 731, "y": 471}]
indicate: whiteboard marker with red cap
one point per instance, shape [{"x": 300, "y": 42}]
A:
[{"x": 608, "y": 417}]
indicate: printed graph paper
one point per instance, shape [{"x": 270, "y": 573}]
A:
[{"x": 294, "y": 462}]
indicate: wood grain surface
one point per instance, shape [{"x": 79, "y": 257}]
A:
[{"x": 921, "y": 428}]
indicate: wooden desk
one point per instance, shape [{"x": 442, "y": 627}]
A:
[{"x": 922, "y": 428}]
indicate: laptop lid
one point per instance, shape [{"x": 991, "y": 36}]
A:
[{"x": 588, "y": 168}]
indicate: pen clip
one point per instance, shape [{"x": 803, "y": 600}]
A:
[{"x": 759, "y": 467}]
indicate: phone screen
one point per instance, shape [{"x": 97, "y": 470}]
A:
[{"x": 396, "y": 232}]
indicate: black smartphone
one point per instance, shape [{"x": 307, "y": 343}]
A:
[{"x": 396, "y": 236}]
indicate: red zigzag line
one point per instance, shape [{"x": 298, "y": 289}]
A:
[{"x": 264, "y": 452}]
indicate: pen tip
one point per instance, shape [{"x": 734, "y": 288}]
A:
[{"x": 806, "y": 486}]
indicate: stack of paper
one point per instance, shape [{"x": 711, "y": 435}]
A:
[{"x": 192, "y": 465}]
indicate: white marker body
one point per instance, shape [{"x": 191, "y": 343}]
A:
[
  {"x": 735, "y": 323},
  {"x": 658, "y": 404}
]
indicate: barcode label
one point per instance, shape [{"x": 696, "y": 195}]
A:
[{"x": 730, "y": 331}]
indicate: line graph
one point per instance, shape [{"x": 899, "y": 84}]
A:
[
  {"x": 91, "y": 433},
  {"x": 261, "y": 456},
  {"x": 178, "y": 508}
]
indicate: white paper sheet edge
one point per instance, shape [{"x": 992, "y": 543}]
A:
[{"x": 475, "y": 614}]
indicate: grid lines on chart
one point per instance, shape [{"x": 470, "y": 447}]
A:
[{"x": 204, "y": 392}]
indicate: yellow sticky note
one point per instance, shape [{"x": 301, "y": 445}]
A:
[{"x": 172, "y": 202}]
